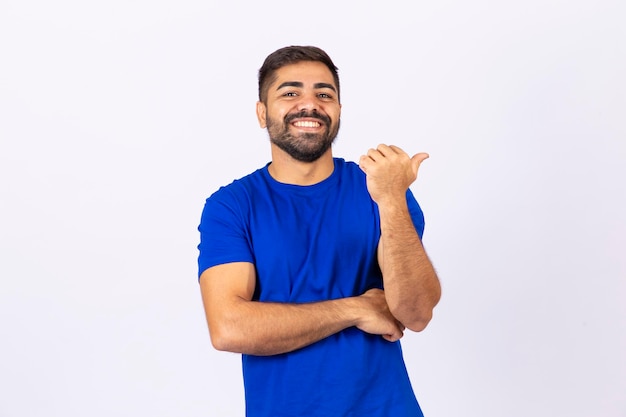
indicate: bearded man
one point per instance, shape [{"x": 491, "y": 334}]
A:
[{"x": 312, "y": 267}]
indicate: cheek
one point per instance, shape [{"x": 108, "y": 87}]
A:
[
  {"x": 334, "y": 114},
  {"x": 274, "y": 113}
]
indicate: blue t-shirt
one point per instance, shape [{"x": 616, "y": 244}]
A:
[{"x": 311, "y": 243}]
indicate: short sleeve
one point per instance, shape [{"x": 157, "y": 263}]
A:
[{"x": 224, "y": 237}]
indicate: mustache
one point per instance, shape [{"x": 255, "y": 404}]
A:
[{"x": 309, "y": 114}]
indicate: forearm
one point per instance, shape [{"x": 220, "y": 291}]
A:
[
  {"x": 261, "y": 328},
  {"x": 411, "y": 285},
  {"x": 238, "y": 324}
]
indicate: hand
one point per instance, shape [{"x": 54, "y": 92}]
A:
[
  {"x": 390, "y": 171},
  {"x": 377, "y": 319}
]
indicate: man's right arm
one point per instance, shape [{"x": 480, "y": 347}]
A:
[{"x": 238, "y": 324}]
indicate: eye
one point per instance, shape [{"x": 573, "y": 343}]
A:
[
  {"x": 326, "y": 96},
  {"x": 290, "y": 94}
]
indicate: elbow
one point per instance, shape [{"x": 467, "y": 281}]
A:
[
  {"x": 419, "y": 323},
  {"x": 224, "y": 340},
  {"x": 220, "y": 343},
  {"x": 227, "y": 330},
  {"x": 415, "y": 320}
]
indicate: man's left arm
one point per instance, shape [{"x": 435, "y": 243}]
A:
[{"x": 411, "y": 285}]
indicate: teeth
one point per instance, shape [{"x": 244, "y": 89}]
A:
[{"x": 306, "y": 124}]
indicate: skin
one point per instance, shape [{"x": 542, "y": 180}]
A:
[
  {"x": 284, "y": 99},
  {"x": 238, "y": 324},
  {"x": 412, "y": 288}
]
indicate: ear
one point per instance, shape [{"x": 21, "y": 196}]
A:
[{"x": 261, "y": 114}]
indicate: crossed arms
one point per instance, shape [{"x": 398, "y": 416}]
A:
[{"x": 412, "y": 289}]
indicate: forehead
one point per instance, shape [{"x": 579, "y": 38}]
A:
[{"x": 306, "y": 72}]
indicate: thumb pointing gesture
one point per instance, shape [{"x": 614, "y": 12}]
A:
[{"x": 417, "y": 160}]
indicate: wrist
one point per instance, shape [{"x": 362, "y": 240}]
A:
[{"x": 392, "y": 205}]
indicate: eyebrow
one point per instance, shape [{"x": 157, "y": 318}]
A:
[{"x": 298, "y": 84}]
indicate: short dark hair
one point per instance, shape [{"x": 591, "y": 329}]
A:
[{"x": 292, "y": 55}]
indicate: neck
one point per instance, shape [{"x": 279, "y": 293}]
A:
[{"x": 288, "y": 170}]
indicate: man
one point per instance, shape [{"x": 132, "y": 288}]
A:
[{"x": 312, "y": 267}]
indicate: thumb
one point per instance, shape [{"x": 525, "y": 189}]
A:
[{"x": 417, "y": 160}]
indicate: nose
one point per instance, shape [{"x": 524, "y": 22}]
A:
[{"x": 308, "y": 102}]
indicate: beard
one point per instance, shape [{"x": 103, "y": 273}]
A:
[{"x": 304, "y": 147}]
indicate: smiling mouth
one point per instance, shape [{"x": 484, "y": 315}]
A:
[{"x": 306, "y": 123}]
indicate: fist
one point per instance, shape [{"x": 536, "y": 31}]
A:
[
  {"x": 389, "y": 171},
  {"x": 376, "y": 317}
]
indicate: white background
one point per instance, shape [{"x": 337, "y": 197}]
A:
[{"x": 118, "y": 119}]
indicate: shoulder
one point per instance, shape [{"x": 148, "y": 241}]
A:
[
  {"x": 241, "y": 187},
  {"x": 236, "y": 198},
  {"x": 346, "y": 165},
  {"x": 349, "y": 170}
]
